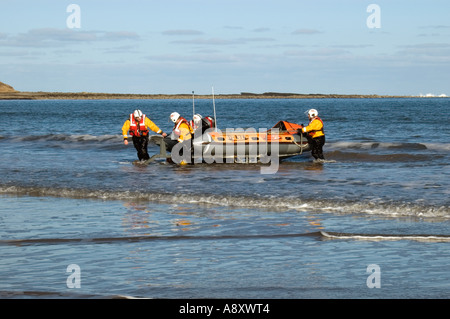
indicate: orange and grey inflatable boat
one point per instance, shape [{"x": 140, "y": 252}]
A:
[{"x": 283, "y": 140}]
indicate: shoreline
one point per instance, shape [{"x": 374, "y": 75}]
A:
[{"x": 243, "y": 95}]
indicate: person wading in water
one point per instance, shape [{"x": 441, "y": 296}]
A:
[
  {"x": 138, "y": 125},
  {"x": 315, "y": 134}
]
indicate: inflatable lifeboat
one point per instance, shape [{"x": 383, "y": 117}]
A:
[{"x": 283, "y": 140}]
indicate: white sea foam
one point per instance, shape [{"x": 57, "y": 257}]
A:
[
  {"x": 387, "y": 237},
  {"x": 392, "y": 209}
]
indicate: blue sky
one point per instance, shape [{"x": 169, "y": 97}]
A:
[{"x": 137, "y": 46}]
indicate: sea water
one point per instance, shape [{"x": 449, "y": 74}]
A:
[{"x": 78, "y": 219}]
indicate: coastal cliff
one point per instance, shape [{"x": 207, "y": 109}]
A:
[{"x": 5, "y": 88}]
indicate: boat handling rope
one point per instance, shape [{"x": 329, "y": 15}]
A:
[{"x": 301, "y": 142}]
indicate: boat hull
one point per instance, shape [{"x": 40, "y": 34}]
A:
[{"x": 249, "y": 146}]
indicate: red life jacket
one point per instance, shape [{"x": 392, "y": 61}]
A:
[
  {"x": 207, "y": 122},
  {"x": 138, "y": 129},
  {"x": 210, "y": 121}
]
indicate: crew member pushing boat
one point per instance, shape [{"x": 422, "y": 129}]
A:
[
  {"x": 315, "y": 134},
  {"x": 138, "y": 125},
  {"x": 181, "y": 133},
  {"x": 200, "y": 124}
]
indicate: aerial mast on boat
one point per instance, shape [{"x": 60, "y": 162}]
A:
[
  {"x": 214, "y": 107},
  {"x": 193, "y": 104}
]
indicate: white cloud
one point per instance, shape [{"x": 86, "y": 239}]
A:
[
  {"x": 232, "y": 27},
  {"x": 222, "y": 41},
  {"x": 317, "y": 54},
  {"x": 439, "y": 52},
  {"x": 118, "y": 36},
  {"x": 53, "y": 37},
  {"x": 435, "y": 27},
  {"x": 205, "y": 41},
  {"x": 182, "y": 32},
  {"x": 199, "y": 58},
  {"x": 306, "y": 31}
]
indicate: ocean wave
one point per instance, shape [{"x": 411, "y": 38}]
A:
[
  {"x": 390, "y": 209},
  {"x": 27, "y": 294},
  {"x": 372, "y": 157},
  {"x": 387, "y": 237},
  {"x": 133, "y": 239},
  {"x": 342, "y": 145},
  {"x": 68, "y": 138},
  {"x": 339, "y": 145},
  {"x": 67, "y": 141}
]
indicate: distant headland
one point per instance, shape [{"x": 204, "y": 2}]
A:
[
  {"x": 111, "y": 96},
  {"x": 5, "y": 88},
  {"x": 7, "y": 92}
]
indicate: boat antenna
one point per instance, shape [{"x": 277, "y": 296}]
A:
[
  {"x": 193, "y": 104},
  {"x": 214, "y": 107}
]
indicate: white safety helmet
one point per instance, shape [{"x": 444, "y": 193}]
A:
[
  {"x": 174, "y": 117},
  {"x": 312, "y": 113},
  {"x": 197, "y": 118},
  {"x": 137, "y": 113}
]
